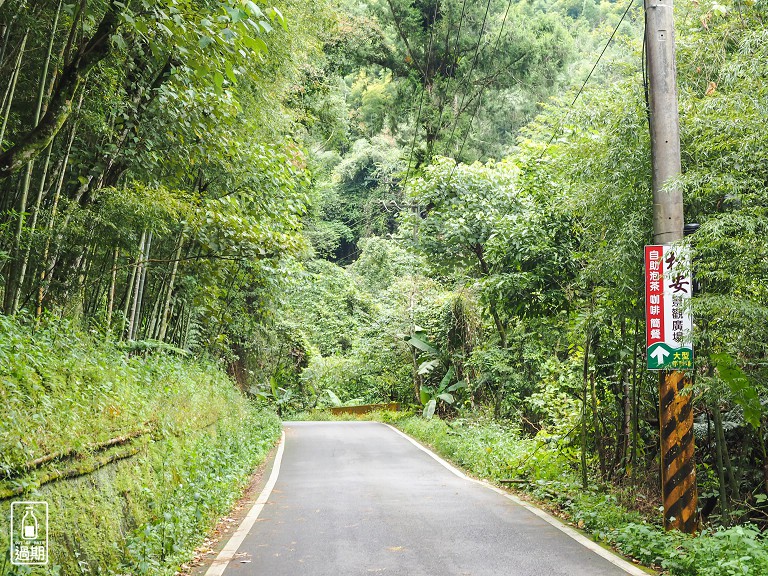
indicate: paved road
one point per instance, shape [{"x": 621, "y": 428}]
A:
[{"x": 357, "y": 498}]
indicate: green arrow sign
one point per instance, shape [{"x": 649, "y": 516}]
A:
[{"x": 661, "y": 356}]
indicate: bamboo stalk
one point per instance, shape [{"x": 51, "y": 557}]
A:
[
  {"x": 112, "y": 283},
  {"x": 11, "y": 90},
  {"x": 187, "y": 325},
  {"x": 584, "y": 478},
  {"x": 725, "y": 510},
  {"x": 5, "y": 33},
  {"x": 136, "y": 281},
  {"x": 48, "y": 265},
  {"x": 91, "y": 304},
  {"x": 139, "y": 302},
  {"x": 127, "y": 304},
  {"x": 596, "y": 425},
  {"x": 154, "y": 317},
  {"x": 169, "y": 292},
  {"x": 28, "y": 145},
  {"x": 33, "y": 227},
  {"x": 635, "y": 401},
  {"x": 17, "y": 276}
]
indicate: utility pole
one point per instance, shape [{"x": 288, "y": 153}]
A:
[{"x": 678, "y": 469}]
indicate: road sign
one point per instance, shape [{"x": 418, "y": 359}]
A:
[{"x": 668, "y": 319}]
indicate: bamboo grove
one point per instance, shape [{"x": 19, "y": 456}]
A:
[{"x": 149, "y": 185}]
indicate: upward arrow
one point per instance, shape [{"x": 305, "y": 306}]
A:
[{"x": 660, "y": 355}]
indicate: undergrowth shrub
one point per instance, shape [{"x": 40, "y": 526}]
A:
[{"x": 488, "y": 448}]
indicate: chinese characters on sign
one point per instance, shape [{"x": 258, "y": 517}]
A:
[
  {"x": 668, "y": 288},
  {"x": 29, "y": 533}
]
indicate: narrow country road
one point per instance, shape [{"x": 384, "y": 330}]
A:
[{"x": 356, "y": 498}]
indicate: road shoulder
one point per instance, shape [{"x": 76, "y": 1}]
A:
[
  {"x": 608, "y": 554},
  {"x": 208, "y": 552}
]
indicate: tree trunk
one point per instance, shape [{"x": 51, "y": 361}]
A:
[
  {"x": 19, "y": 265},
  {"x": 5, "y": 33},
  {"x": 185, "y": 330},
  {"x": 29, "y": 146},
  {"x": 626, "y": 433},
  {"x": 92, "y": 300},
  {"x": 633, "y": 406},
  {"x": 128, "y": 292},
  {"x": 32, "y": 229},
  {"x": 11, "y": 90},
  {"x": 732, "y": 480},
  {"x": 485, "y": 269},
  {"x": 412, "y": 317},
  {"x": 764, "y": 454},
  {"x": 596, "y": 425},
  {"x": 154, "y": 320},
  {"x": 178, "y": 321},
  {"x": 46, "y": 263},
  {"x": 626, "y": 405},
  {"x": 140, "y": 302},
  {"x": 144, "y": 283}
]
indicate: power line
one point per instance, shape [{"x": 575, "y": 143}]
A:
[
  {"x": 455, "y": 59},
  {"x": 471, "y": 68},
  {"x": 570, "y": 108},
  {"x": 483, "y": 88},
  {"x": 423, "y": 85},
  {"x": 594, "y": 67}
]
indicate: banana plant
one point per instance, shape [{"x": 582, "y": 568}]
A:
[
  {"x": 430, "y": 395},
  {"x": 275, "y": 393}
]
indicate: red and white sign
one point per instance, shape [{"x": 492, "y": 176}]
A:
[{"x": 668, "y": 288}]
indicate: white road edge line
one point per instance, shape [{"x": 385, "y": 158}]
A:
[
  {"x": 581, "y": 539},
  {"x": 227, "y": 553}
]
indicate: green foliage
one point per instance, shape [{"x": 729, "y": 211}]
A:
[
  {"x": 489, "y": 449},
  {"x": 512, "y": 56},
  {"x": 331, "y": 306},
  {"x": 381, "y": 263},
  {"x": 361, "y": 199},
  {"x": 742, "y": 391},
  {"x": 64, "y": 391},
  {"x": 738, "y": 550},
  {"x": 362, "y": 377},
  {"x": 463, "y": 205},
  {"x": 259, "y": 143}
]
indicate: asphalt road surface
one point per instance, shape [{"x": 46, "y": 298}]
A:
[{"x": 357, "y": 498}]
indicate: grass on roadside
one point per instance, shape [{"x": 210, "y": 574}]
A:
[{"x": 193, "y": 441}]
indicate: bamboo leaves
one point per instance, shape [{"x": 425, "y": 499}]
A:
[{"x": 742, "y": 390}]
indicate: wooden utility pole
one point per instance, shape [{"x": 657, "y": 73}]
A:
[{"x": 678, "y": 469}]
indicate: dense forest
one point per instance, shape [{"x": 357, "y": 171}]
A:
[{"x": 436, "y": 202}]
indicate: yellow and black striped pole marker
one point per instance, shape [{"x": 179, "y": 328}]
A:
[{"x": 678, "y": 468}]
